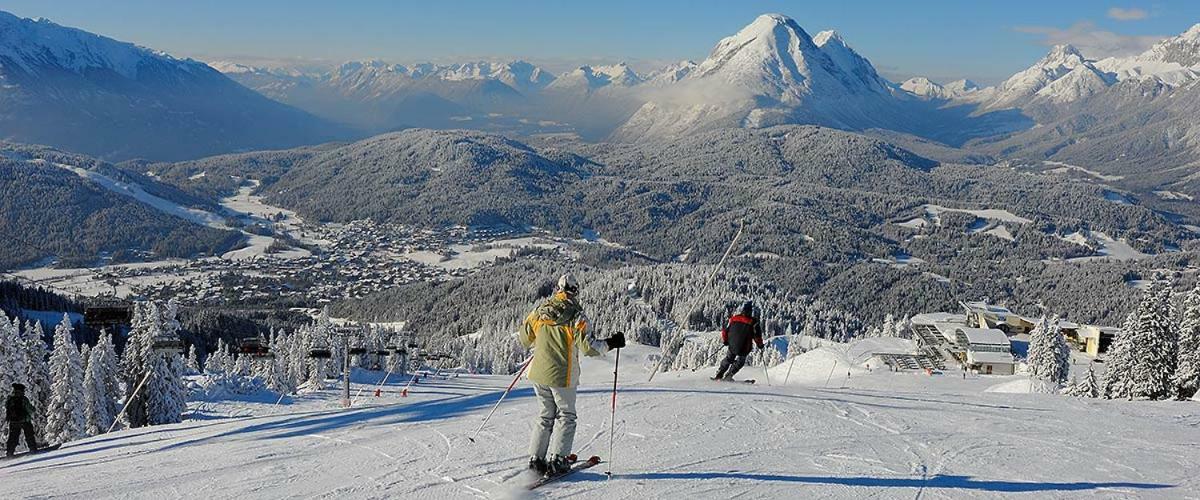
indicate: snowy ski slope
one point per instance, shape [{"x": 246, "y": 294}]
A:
[{"x": 875, "y": 435}]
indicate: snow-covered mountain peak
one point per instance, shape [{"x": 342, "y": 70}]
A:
[
  {"x": 962, "y": 86},
  {"x": 926, "y": 88},
  {"x": 923, "y": 87},
  {"x": 31, "y": 45},
  {"x": 1040, "y": 79},
  {"x": 827, "y": 36},
  {"x": 671, "y": 74},
  {"x": 517, "y": 74},
  {"x": 1183, "y": 50},
  {"x": 850, "y": 62},
  {"x": 1062, "y": 55},
  {"x": 595, "y": 77},
  {"x": 771, "y": 56}
]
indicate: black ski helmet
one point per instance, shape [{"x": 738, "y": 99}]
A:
[
  {"x": 18, "y": 387},
  {"x": 748, "y": 308}
]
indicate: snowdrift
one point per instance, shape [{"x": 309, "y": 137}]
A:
[
  {"x": 1024, "y": 386},
  {"x": 832, "y": 362}
]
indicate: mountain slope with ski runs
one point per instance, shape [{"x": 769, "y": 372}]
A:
[{"x": 830, "y": 432}]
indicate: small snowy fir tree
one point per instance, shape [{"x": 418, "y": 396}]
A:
[
  {"x": 12, "y": 362},
  {"x": 139, "y": 350},
  {"x": 95, "y": 393},
  {"x": 193, "y": 361},
  {"x": 217, "y": 362},
  {"x": 166, "y": 399},
  {"x": 85, "y": 356},
  {"x": 889, "y": 327},
  {"x": 1142, "y": 359},
  {"x": 102, "y": 386},
  {"x": 66, "y": 420},
  {"x": 1088, "y": 387},
  {"x": 1049, "y": 357},
  {"x": 1187, "y": 374},
  {"x": 38, "y": 372}
]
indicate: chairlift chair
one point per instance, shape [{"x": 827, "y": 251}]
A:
[
  {"x": 255, "y": 348},
  {"x": 167, "y": 344}
]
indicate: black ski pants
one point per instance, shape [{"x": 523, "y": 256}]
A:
[
  {"x": 14, "y": 435},
  {"x": 733, "y": 362}
]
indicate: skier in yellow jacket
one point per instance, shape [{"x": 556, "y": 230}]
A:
[{"x": 556, "y": 330}]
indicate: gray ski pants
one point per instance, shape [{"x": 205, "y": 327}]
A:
[{"x": 554, "y": 429}]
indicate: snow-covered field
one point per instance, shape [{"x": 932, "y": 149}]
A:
[
  {"x": 1062, "y": 168},
  {"x": 470, "y": 257},
  {"x": 874, "y": 435}
]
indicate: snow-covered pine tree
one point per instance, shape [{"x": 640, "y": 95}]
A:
[
  {"x": 889, "y": 327},
  {"x": 1049, "y": 357},
  {"x": 242, "y": 366},
  {"x": 85, "y": 356},
  {"x": 12, "y": 357},
  {"x": 1088, "y": 387},
  {"x": 166, "y": 397},
  {"x": 137, "y": 359},
  {"x": 37, "y": 386},
  {"x": 322, "y": 335},
  {"x": 193, "y": 361},
  {"x": 95, "y": 395},
  {"x": 112, "y": 373},
  {"x": 165, "y": 400},
  {"x": 66, "y": 420},
  {"x": 1143, "y": 358},
  {"x": 1187, "y": 373},
  {"x": 217, "y": 361}
]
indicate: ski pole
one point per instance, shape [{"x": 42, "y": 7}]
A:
[
  {"x": 129, "y": 400},
  {"x": 471, "y": 438},
  {"x": 765, "y": 373},
  {"x": 612, "y": 420}
]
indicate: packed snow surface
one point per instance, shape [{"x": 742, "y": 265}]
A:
[{"x": 875, "y": 434}]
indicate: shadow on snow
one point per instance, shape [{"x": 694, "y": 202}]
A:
[{"x": 940, "y": 481}]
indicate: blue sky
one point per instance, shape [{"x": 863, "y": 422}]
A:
[{"x": 944, "y": 39}]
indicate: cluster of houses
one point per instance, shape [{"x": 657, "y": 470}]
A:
[{"x": 980, "y": 339}]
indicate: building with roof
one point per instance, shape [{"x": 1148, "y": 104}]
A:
[
  {"x": 984, "y": 315},
  {"x": 986, "y": 350}
]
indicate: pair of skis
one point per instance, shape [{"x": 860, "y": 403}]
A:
[
  {"x": 42, "y": 449},
  {"x": 747, "y": 381},
  {"x": 576, "y": 466}
]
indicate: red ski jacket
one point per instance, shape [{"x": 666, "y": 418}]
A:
[{"x": 738, "y": 333}]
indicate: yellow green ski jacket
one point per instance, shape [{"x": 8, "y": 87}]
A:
[{"x": 554, "y": 329}]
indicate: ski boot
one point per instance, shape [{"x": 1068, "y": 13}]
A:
[
  {"x": 557, "y": 465},
  {"x": 537, "y": 465}
]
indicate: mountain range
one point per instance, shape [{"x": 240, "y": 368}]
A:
[
  {"x": 90, "y": 94},
  {"x": 82, "y": 92}
]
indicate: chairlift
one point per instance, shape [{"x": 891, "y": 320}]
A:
[
  {"x": 255, "y": 348},
  {"x": 167, "y": 345},
  {"x": 381, "y": 352},
  {"x": 320, "y": 350}
]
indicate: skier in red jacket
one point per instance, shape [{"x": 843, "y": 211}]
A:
[{"x": 742, "y": 328}]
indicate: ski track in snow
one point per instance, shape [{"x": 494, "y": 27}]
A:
[{"x": 883, "y": 435}]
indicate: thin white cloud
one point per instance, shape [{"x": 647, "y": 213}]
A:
[
  {"x": 1091, "y": 40},
  {"x": 1130, "y": 14}
]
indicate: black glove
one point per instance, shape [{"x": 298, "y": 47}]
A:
[{"x": 616, "y": 341}]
